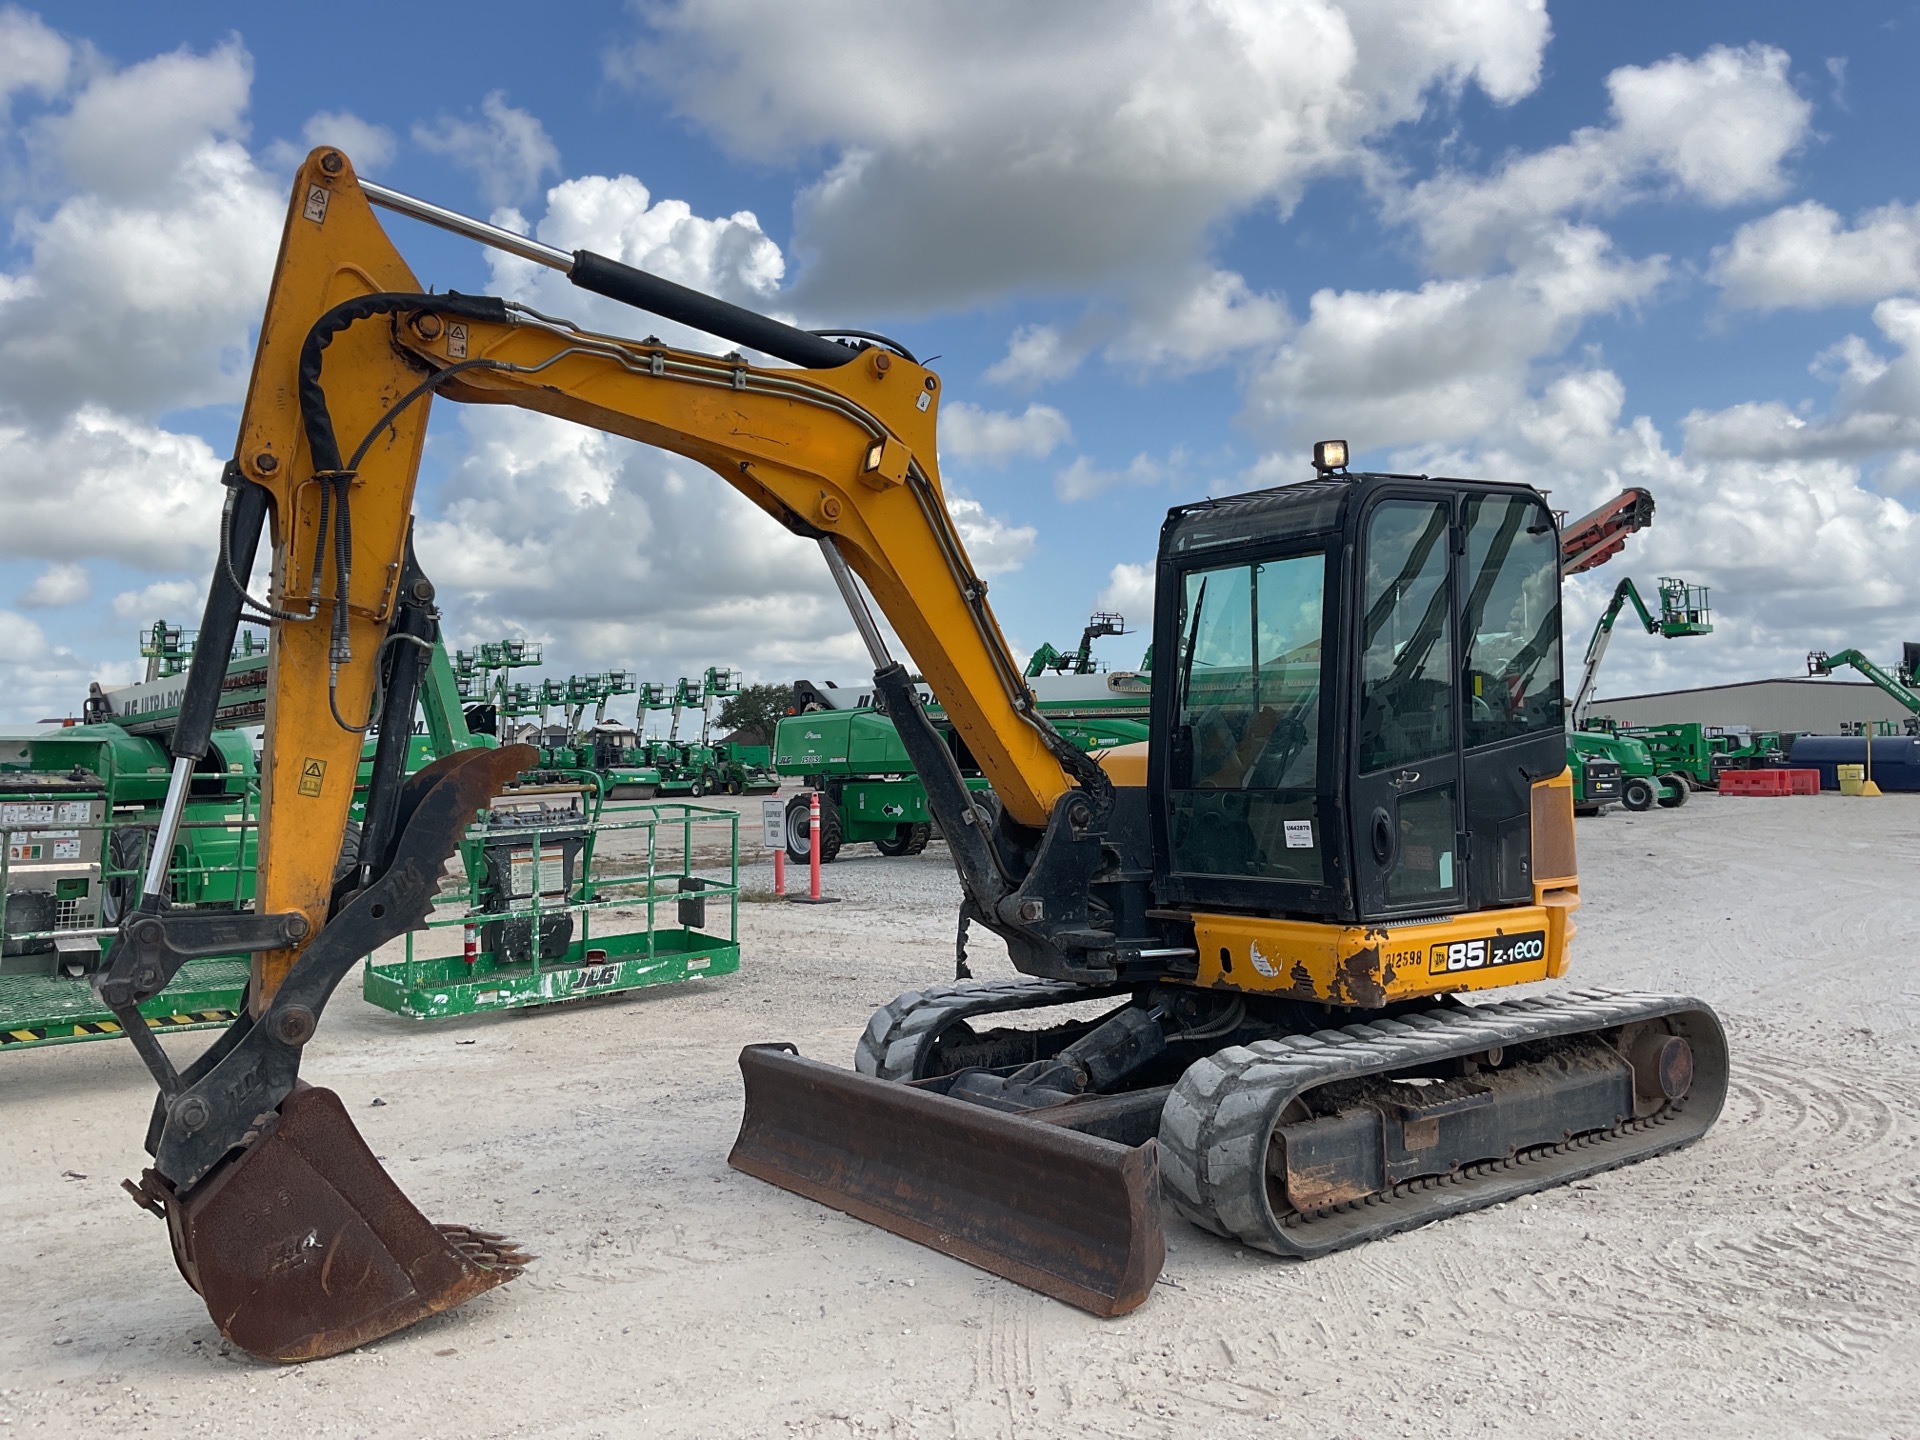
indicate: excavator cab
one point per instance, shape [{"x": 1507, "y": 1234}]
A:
[{"x": 1366, "y": 686}]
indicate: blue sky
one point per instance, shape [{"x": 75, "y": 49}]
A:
[{"x": 1158, "y": 248}]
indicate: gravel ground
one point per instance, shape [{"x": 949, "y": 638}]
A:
[{"x": 1759, "y": 1283}]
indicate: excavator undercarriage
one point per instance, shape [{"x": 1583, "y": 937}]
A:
[
  {"x": 1276, "y": 923},
  {"x": 1292, "y": 1139}
]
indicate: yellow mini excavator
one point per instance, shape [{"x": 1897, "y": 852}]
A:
[{"x": 1354, "y": 815}]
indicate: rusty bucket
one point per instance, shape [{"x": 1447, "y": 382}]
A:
[{"x": 303, "y": 1246}]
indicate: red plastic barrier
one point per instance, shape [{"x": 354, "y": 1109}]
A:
[
  {"x": 1802, "y": 782},
  {"x": 1756, "y": 782}
]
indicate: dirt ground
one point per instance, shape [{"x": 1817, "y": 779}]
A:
[{"x": 1760, "y": 1283}]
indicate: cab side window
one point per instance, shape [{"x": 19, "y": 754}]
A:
[
  {"x": 1510, "y": 618},
  {"x": 1406, "y": 657}
]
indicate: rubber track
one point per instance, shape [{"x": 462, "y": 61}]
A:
[
  {"x": 902, "y": 1031},
  {"x": 1215, "y": 1128}
]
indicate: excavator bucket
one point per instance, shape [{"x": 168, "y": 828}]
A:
[
  {"x": 302, "y": 1245},
  {"x": 1068, "y": 1214}
]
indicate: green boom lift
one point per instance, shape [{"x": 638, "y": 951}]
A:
[
  {"x": 1683, "y": 612},
  {"x": 1900, "y": 686}
]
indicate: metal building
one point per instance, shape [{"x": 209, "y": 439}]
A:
[{"x": 1798, "y": 705}]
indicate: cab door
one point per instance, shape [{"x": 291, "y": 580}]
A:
[{"x": 1405, "y": 816}]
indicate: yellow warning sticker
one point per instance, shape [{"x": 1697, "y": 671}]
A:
[{"x": 312, "y": 774}]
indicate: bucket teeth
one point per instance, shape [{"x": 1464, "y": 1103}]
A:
[{"x": 484, "y": 1247}]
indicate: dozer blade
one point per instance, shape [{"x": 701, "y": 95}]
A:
[
  {"x": 302, "y": 1245},
  {"x": 1068, "y": 1214}
]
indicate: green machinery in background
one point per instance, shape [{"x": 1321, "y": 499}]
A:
[
  {"x": 1080, "y": 660},
  {"x": 1597, "y": 775},
  {"x": 563, "y": 891},
  {"x": 630, "y": 765},
  {"x": 836, "y": 743},
  {"x": 1683, "y": 613},
  {"x": 703, "y": 766},
  {"x": 565, "y": 898},
  {"x": 1901, "y": 685},
  {"x": 1643, "y": 780},
  {"x": 80, "y": 806},
  {"x": 1700, "y": 753}
]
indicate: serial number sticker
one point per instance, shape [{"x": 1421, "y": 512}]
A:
[
  {"x": 1454, "y": 957},
  {"x": 1299, "y": 834}
]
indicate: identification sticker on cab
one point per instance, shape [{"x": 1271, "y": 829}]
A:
[{"x": 1454, "y": 957}]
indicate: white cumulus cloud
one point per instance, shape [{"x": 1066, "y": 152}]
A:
[
  {"x": 1449, "y": 360},
  {"x": 99, "y": 484},
  {"x": 994, "y": 543},
  {"x": 1129, "y": 592},
  {"x": 1084, "y": 480},
  {"x": 1717, "y": 130},
  {"x": 34, "y": 59},
  {"x": 968, "y": 432},
  {"x": 55, "y": 586},
  {"x": 1875, "y": 408},
  {"x": 1804, "y": 257},
  {"x": 163, "y": 600},
  {"x": 371, "y": 147},
  {"x": 978, "y": 149},
  {"x": 506, "y": 150}
]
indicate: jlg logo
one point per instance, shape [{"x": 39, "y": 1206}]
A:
[{"x": 1459, "y": 956}]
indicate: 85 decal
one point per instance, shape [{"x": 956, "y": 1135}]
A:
[{"x": 1459, "y": 956}]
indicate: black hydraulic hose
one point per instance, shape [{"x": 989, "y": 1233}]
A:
[
  {"x": 241, "y": 521},
  {"x": 700, "y": 311},
  {"x": 415, "y": 627},
  {"x": 325, "y": 449},
  {"x": 873, "y": 335}
]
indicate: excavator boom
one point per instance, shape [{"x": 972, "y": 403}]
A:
[{"x": 352, "y": 350}]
